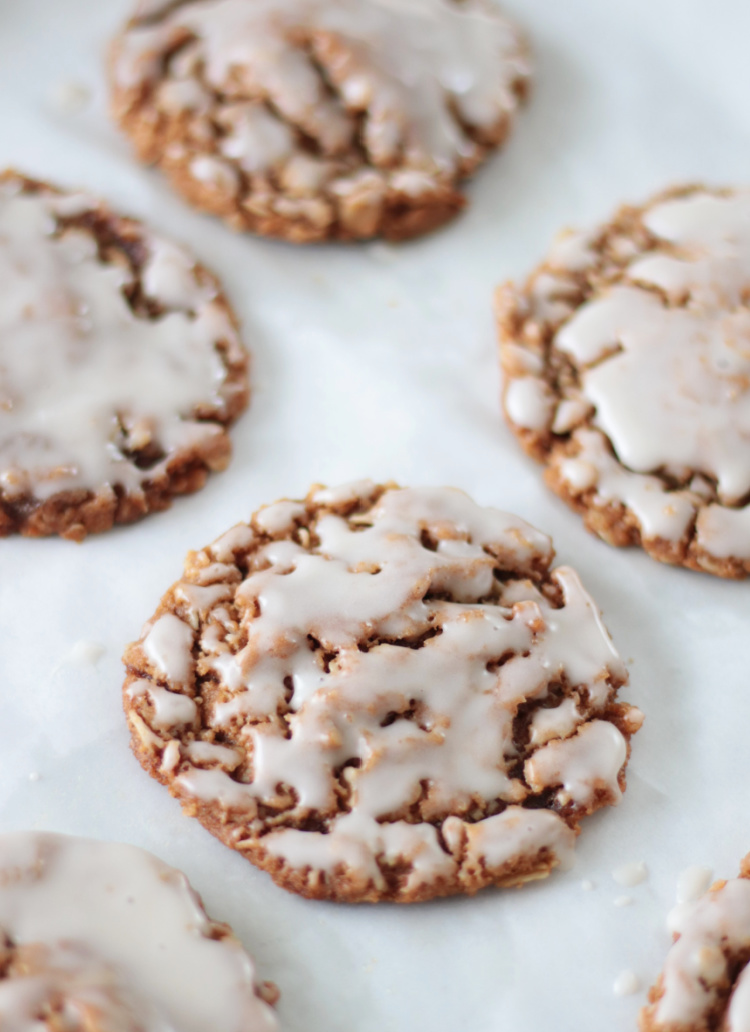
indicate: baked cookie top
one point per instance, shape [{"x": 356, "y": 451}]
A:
[
  {"x": 104, "y": 937},
  {"x": 383, "y": 693},
  {"x": 705, "y": 983},
  {"x": 627, "y": 371},
  {"x": 120, "y": 365},
  {"x": 319, "y": 119}
]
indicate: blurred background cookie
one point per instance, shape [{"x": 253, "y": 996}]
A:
[
  {"x": 120, "y": 366},
  {"x": 319, "y": 119},
  {"x": 104, "y": 937}
]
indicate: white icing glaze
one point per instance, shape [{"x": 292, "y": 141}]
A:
[
  {"x": 738, "y": 1015},
  {"x": 677, "y": 393},
  {"x": 631, "y": 874},
  {"x": 588, "y": 762},
  {"x": 167, "y": 645},
  {"x": 724, "y": 532},
  {"x": 623, "y": 901},
  {"x": 120, "y": 937},
  {"x": 692, "y": 883},
  {"x": 714, "y": 927},
  {"x": 79, "y": 370},
  {"x": 406, "y": 64},
  {"x": 215, "y": 172},
  {"x": 438, "y": 715},
  {"x": 661, "y": 513},
  {"x": 529, "y": 402}
]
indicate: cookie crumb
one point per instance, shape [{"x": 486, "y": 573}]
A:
[
  {"x": 626, "y": 984},
  {"x": 85, "y": 653},
  {"x": 71, "y": 96},
  {"x": 630, "y": 875}
]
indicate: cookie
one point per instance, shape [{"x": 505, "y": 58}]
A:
[
  {"x": 382, "y": 694},
  {"x": 705, "y": 983},
  {"x": 626, "y": 360},
  {"x": 319, "y": 120},
  {"x": 120, "y": 366},
  {"x": 104, "y": 937}
]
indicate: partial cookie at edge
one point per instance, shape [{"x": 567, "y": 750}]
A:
[
  {"x": 121, "y": 366},
  {"x": 626, "y": 361},
  {"x": 102, "y": 936},
  {"x": 705, "y": 982},
  {"x": 382, "y": 693}
]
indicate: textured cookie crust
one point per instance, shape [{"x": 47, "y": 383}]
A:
[
  {"x": 319, "y": 120},
  {"x": 104, "y": 937},
  {"x": 626, "y": 361},
  {"x": 120, "y": 366},
  {"x": 382, "y": 694},
  {"x": 705, "y": 984}
]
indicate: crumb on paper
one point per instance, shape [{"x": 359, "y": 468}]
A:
[
  {"x": 626, "y": 983},
  {"x": 85, "y": 653},
  {"x": 71, "y": 96},
  {"x": 630, "y": 875}
]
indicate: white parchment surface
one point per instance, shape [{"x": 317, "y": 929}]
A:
[{"x": 376, "y": 361}]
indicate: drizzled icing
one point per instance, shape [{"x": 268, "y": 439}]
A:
[
  {"x": 712, "y": 932},
  {"x": 408, "y": 65},
  {"x": 380, "y": 676},
  {"x": 663, "y": 361},
  {"x": 84, "y": 380},
  {"x": 103, "y": 935}
]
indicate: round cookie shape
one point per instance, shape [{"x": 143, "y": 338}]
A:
[
  {"x": 104, "y": 937},
  {"x": 318, "y": 120},
  {"x": 626, "y": 360},
  {"x": 705, "y": 983},
  {"x": 120, "y": 366},
  {"x": 382, "y": 694}
]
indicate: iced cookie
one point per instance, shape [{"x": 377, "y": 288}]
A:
[
  {"x": 120, "y": 366},
  {"x": 319, "y": 119},
  {"x": 103, "y": 937},
  {"x": 705, "y": 983},
  {"x": 626, "y": 360},
  {"x": 382, "y": 693}
]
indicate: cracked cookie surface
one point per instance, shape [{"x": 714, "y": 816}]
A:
[
  {"x": 319, "y": 119},
  {"x": 104, "y": 937},
  {"x": 120, "y": 366},
  {"x": 382, "y": 693},
  {"x": 626, "y": 360},
  {"x": 705, "y": 984}
]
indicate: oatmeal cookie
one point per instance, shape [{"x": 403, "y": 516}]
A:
[
  {"x": 104, "y": 937},
  {"x": 626, "y": 360},
  {"x": 705, "y": 984},
  {"x": 382, "y": 694},
  {"x": 120, "y": 366},
  {"x": 319, "y": 119}
]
